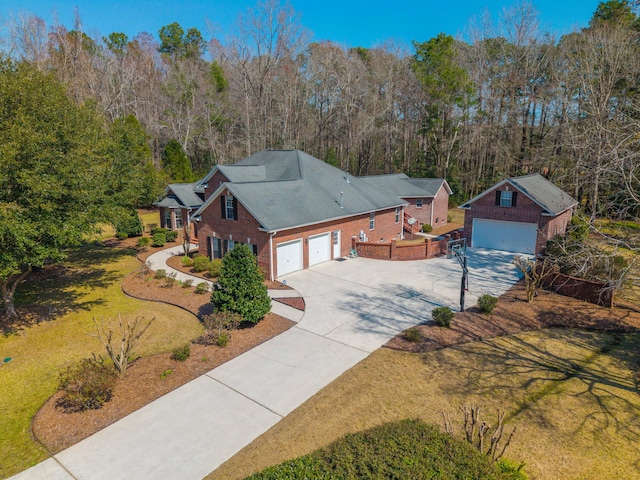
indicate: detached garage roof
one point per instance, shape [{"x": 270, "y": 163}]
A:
[
  {"x": 284, "y": 189},
  {"x": 551, "y": 199}
]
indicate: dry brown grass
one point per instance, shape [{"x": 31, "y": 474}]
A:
[{"x": 572, "y": 395}]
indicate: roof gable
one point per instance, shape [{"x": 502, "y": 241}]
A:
[
  {"x": 551, "y": 199},
  {"x": 185, "y": 195}
]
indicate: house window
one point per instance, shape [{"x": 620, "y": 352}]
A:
[
  {"x": 505, "y": 198},
  {"x": 372, "y": 221},
  {"x": 419, "y": 203},
  {"x": 229, "y": 207},
  {"x": 397, "y": 214},
  {"x": 167, "y": 218},
  {"x": 217, "y": 247},
  {"x": 178, "y": 214}
]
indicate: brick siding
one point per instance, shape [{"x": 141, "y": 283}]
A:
[
  {"x": 526, "y": 211},
  {"x": 246, "y": 230},
  {"x": 430, "y": 248},
  {"x": 592, "y": 292},
  {"x": 438, "y": 206}
]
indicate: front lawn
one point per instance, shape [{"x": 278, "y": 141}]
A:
[
  {"x": 572, "y": 394},
  {"x": 86, "y": 286}
]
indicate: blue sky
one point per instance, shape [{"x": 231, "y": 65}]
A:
[{"x": 348, "y": 22}]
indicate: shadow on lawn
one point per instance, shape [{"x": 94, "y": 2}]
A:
[
  {"x": 56, "y": 290},
  {"x": 530, "y": 373}
]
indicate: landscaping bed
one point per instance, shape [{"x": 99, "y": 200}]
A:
[
  {"x": 150, "y": 377},
  {"x": 514, "y": 315}
]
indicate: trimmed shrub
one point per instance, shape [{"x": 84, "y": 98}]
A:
[
  {"x": 426, "y": 228},
  {"x": 223, "y": 339},
  {"x": 155, "y": 230},
  {"x": 144, "y": 241},
  {"x": 412, "y": 335},
  {"x": 160, "y": 273},
  {"x": 405, "y": 449},
  {"x": 181, "y": 354},
  {"x": 240, "y": 287},
  {"x": 171, "y": 235},
  {"x": 201, "y": 288},
  {"x": 122, "y": 236},
  {"x": 170, "y": 279},
  {"x": 159, "y": 239},
  {"x": 86, "y": 386},
  {"x": 487, "y": 303},
  {"x": 129, "y": 225},
  {"x": 187, "y": 283},
  {"x": 187, "y": 261},
  {"x": 442, "y": 316},
  {"x": 214, "y": 268},
  {"x": 200, "y": 263}
]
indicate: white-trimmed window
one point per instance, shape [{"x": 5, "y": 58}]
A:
[
  {"x": 419, "y": 202},
  {"x": 372, "y": 220},
  {"x": 397, "y": 214},
  {"x": 506, "y": 198},
  {"x": 178, "y": 215},
  {"x": 167, "y": 218},
  {"x": 230, "y": 209}
]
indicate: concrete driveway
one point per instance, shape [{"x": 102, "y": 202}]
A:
[{"x": 353, "y": 307}]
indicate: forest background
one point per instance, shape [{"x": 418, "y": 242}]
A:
[{"x": 507, "y": 100}]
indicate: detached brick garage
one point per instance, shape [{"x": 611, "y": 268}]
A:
[{"x": 518, "y": 215}]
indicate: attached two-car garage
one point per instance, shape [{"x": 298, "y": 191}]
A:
[
  {"x": 516, "y": 237},
  {"x": 290, "y": 254}
]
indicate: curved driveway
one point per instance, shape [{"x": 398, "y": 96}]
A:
[{"x": 353, "y": 307}]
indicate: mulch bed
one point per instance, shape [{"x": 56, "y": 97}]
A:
[
  {"x": 151, "y": 377},
  {"x": 514, "y": 314},
  {"x": 295, "y": 302}
]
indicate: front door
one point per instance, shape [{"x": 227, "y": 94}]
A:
[{"x": 336, "y": 243}]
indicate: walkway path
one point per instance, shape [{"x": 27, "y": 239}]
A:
[
  {"x": 353, "y": 307},
  {"x": 159, "y": 260}
]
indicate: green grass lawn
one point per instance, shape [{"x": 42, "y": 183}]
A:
[
  {"x": 89, "y": 287},
  {"x": 572, "y": 394}
]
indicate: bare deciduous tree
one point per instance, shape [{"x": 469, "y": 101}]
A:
[{"x": 120, "y": 348}]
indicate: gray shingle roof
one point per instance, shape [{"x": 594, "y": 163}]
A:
[
  {"x": 295, "y": 189},
  {"x": 544, "y": 193},
  {"x": 403, "y": 186},
  {"x": 551, "y": 199},
  {"x": 181, "y": 195}
]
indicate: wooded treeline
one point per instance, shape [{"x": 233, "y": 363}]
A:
[{"x": 507, "y": 100}]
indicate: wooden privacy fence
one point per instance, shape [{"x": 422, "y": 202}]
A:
[{"x": 597, "y": 293}]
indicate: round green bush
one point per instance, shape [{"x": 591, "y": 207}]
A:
[
  {"x": 442, "y": 316},
  {"x": 200, "y": 263},
  {"x": 487, "y": 303},
  {"x": 214, "y": 268},
  {"x": 426, "y": 228},
  {"x": 181, "y": 354},
  {"x": 144, "y": 241},
  {"x": 187, "y": 261},
  {"x": 122, "y": 236},
  {"x": 412, "y": 335},
  {"x": 159, "y": 239},
  {"x": 201, "y": 288},
  {"x": 171, "y": 235}
]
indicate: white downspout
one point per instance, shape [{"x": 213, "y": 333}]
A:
[
  {"x": 273, "y": 234},
  {"x": 402, "y": 225}
]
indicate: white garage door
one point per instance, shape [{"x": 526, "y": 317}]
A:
[
  {"x": 319, "y": 248},
  {"x": 508, "y": 236},
  {"x": 289, "y": 257}
]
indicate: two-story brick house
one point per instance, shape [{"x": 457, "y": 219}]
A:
[{"x": 294, "y": 210}]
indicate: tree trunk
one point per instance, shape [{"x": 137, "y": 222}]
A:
[{"x": 8, "y": 289}]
